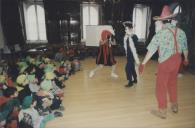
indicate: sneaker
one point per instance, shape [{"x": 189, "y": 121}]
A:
[
  {"x": 159, "y": 113},
  {"x": 58, "y": 114},
  {"x": 179, "y": 75},
  {"x": 135, "y": 81},
  {"x": 130, "y": 84},
  {"x": 114, "y": 75},
  {"x": 174, "y": 108},
  {"x": 91, "y": 74},
  {"x": 61, "y": 108}
]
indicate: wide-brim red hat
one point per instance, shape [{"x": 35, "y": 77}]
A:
[{"x": 165, "y": 14}]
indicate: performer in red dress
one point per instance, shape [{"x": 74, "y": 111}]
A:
[{"x": 105, "y": 55}]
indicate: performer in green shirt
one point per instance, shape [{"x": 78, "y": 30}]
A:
[{"x": 170, "y": 42}]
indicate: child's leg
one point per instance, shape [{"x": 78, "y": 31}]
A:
[
  {"x": 92, "y": 72},
  {"x": 113, "y": 71}
]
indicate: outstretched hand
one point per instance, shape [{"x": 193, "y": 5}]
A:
[{"x": 141, "y": 68}]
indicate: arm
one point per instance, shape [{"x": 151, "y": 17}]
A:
[
  {"x": 102, "y": 42},
  {"x": 152, "y": 48},
  {"x": 184, "y": 47},
  {"x": 185, "y": 55},
  {"x": 147, "y": 57},
  {"x": 186, "y": 61},
  {"x": 20, "y": 115}
]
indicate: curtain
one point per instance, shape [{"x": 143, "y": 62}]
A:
[
  {"x": 1, "y": 31},
  {"x": 141, "y": 21},
  {"x": 35, "y": 23}
]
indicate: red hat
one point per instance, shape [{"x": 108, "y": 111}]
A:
[
  {"x": 105, "y": 34},
  {"x": 165, "y": 14}
]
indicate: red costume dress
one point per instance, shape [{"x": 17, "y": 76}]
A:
[{"x": 105, "y": 56}]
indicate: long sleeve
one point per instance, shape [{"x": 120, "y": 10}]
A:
[
  {"x": 124, "y": 44},
  {"x": 20, "y": 115},
  {"x": 37, "y": 119},
  {"x": 133, "y": 49}
]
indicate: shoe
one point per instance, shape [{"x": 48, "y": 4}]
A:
[
  {"x": 174, "y": 108},
  {"x": 135, "y": 81},
  {"x": 179, "y": 75},
  {"x": 130, "y": 84},
  {"x": 159, "y": 113},
  {"x": 114, "y": 75},
  {"x": 58, "y": 114},
  {"x": 61, "y": 108},
  {"x": 91, "y": 74},
  {"x": 44, "y": 113}
]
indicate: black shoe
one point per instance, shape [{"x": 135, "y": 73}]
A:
[
  {"x": 135, "y": 81},
  {"x": 130, "y": 84}
]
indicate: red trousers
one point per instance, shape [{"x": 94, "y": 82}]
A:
[{"x": 166, "y": 81}]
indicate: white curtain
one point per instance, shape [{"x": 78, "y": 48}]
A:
[
  {"x": 141, "y": 21},
  {"x": 90, "y": 15},
  {"x": 35, "y": 23}
]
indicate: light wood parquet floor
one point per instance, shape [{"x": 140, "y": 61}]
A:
[{"x": 104, "y": 102}]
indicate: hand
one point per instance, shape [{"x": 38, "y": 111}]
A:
[
  {"x": 141, "y": 68},
  {"x": 185, "y": 62}
]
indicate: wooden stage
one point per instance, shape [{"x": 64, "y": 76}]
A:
[{"x": 104, "y": 102}]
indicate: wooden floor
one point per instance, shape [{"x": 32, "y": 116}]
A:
[{"x": 104, "y": 102}]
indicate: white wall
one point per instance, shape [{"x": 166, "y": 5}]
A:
[{"x": 93, "y": 33}]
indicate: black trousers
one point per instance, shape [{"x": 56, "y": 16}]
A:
[{"x": 130, "y": 69}]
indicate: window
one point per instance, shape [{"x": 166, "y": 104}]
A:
[
  {"x": 90, "y": 15},
  {"x": 35, "y": 23},
  {"x": 141, "y": 21}
]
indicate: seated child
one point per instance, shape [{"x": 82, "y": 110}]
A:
[
  {"x": 9, "y": 106},
  {"x": 29, "y": 116}
]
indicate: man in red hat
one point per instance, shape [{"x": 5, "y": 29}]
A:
[
  {"x": 171, "y": 42},
  {"x": 105, "y": 55}
]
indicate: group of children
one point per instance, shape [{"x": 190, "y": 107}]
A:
[{"x": 32, "y": 90}]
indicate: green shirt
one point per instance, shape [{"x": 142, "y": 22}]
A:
[{"x": 164, "y": 42}]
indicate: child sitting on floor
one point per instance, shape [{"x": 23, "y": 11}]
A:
[{"x": 29, "y": 116}]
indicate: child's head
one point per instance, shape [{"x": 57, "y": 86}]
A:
[
  {"x": 10, "y": 92},
  {"x": 2, "y": 79},
  {"x": 30, "y": 69},
  {"x": 22, "y": 80},
  {"x": 128, "y": 27},
  {"x": 28, "y": 102}
]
